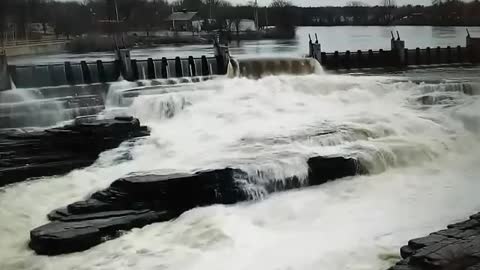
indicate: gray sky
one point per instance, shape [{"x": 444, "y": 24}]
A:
[{"x": 316, "y": 3}]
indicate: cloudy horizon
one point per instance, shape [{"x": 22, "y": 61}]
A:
[{"x": 317, "y": 3}]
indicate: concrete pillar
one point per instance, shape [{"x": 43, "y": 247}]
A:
[
  {"x": 205, "y": 68},
  {"x": 151, "y": 69},
  {"x": 164, "y": 68},
  {"x": 69, "y": 77},
  {"x": 347, "y": 60},
  {"x": 359, "y": 59},
  {"x": 178, "y": 67},
  {"x": 323, "y": 59},
  {"x": 221, "y": 52},
  {"x": 336, "y": 60},
  {"x": 191, "y": 64},
  {"x": 123, "y": 55},
  {"x": 370, "y": 59},
  {"x": 87, "y": 78},
  {"x": 317, "y": 52},
  {"x": 5, "y": 83},
  {"x": 102, "y": 77},
  {"x": 428, "y": 56},
  {"x": 398, "y": 48},
  {"x": 473, "y": 48}
]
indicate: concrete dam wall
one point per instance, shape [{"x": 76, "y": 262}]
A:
[{"x": 68, "y": 73}]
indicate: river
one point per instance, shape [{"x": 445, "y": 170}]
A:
[
  {"x": 417, "y": 131},
  {"x": 339, "y": 38}
]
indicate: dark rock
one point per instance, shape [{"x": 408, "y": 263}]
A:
[
  {"x": 55, "y": 151},
  {"x": 456, "y": 248},
  {"x": 66, "y": 237},
  {"x": 426, "y": 241},
  {"x": 323, "y": 169},
  {"x": 406, "y": 251},
  {"x": 119, "y": 207}
]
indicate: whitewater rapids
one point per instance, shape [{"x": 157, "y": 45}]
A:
[{"x": 418, "y": 140}]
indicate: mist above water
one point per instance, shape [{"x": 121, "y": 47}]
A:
[{"x": 419, "y": 141}]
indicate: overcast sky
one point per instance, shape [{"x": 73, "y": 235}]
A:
[{"x": 316, "y": 3}]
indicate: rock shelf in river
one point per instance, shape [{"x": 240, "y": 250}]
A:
[
  {"x": 455, "y": 248},
  {"x": 136, "y": 201},
  {"x": 55, "y": 151}
]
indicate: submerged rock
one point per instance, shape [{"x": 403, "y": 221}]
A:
[
  {"x": 136, "y": 201},
  {"x": 54, "y": 151},
  {"x": 456, "y": 248}
]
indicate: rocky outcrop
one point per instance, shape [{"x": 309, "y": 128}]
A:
[
  {"x": 136, "y": 201},
  {"x": 55, "y": 151},
  {"x": 455, "y": 248}
]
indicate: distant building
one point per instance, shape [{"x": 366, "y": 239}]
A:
[
  {"x": 41, "y": 28},
  {"x": 184, "y": 21},
  {"x": 243, "y": 26}
]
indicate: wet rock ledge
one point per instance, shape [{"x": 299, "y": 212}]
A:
[
  {"x": 455, "y": 248},
  {"x": 55, "y": 151},
  {"x": 137, "y": 201}
]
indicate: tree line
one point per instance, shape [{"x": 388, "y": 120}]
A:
[{"x": 76, "y": 18}]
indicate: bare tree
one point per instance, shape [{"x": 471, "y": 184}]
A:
[
  {"x": 280, "y": 4},
  {"x": 389, "y": 3},
  {"x": 388, "y": 7}
]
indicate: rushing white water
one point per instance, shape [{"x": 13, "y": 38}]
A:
[{"x": 420, "y": 142}]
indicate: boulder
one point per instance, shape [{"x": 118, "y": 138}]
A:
[
  {"x": 136, "y": 201},
  {"x": 455, "y": 248},
  {"x": 65, "y": 237},
  {"x": 27, "y": 154}
]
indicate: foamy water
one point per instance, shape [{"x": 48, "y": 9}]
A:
[{"x": 419, "y": 140}]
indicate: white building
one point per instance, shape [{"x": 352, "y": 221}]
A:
[{"x": 243, "y": 25}]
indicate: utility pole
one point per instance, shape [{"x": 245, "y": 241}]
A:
[
  {"x": 116, "y": 10},
  {"x": 266, "y": 17},
  {"x": 256, "y": 14}
]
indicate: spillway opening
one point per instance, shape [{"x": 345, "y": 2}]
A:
[{"x": 258, "y": 68}]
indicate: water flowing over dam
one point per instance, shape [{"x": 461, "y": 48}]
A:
[{"x": 416, "y": 133}]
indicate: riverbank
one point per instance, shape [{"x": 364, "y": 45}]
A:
[{"x": 457, "y": 247}]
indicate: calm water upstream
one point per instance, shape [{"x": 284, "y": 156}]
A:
[
  {"x": 418, "y": 132},
  {"x": 332, "y": 38}
]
